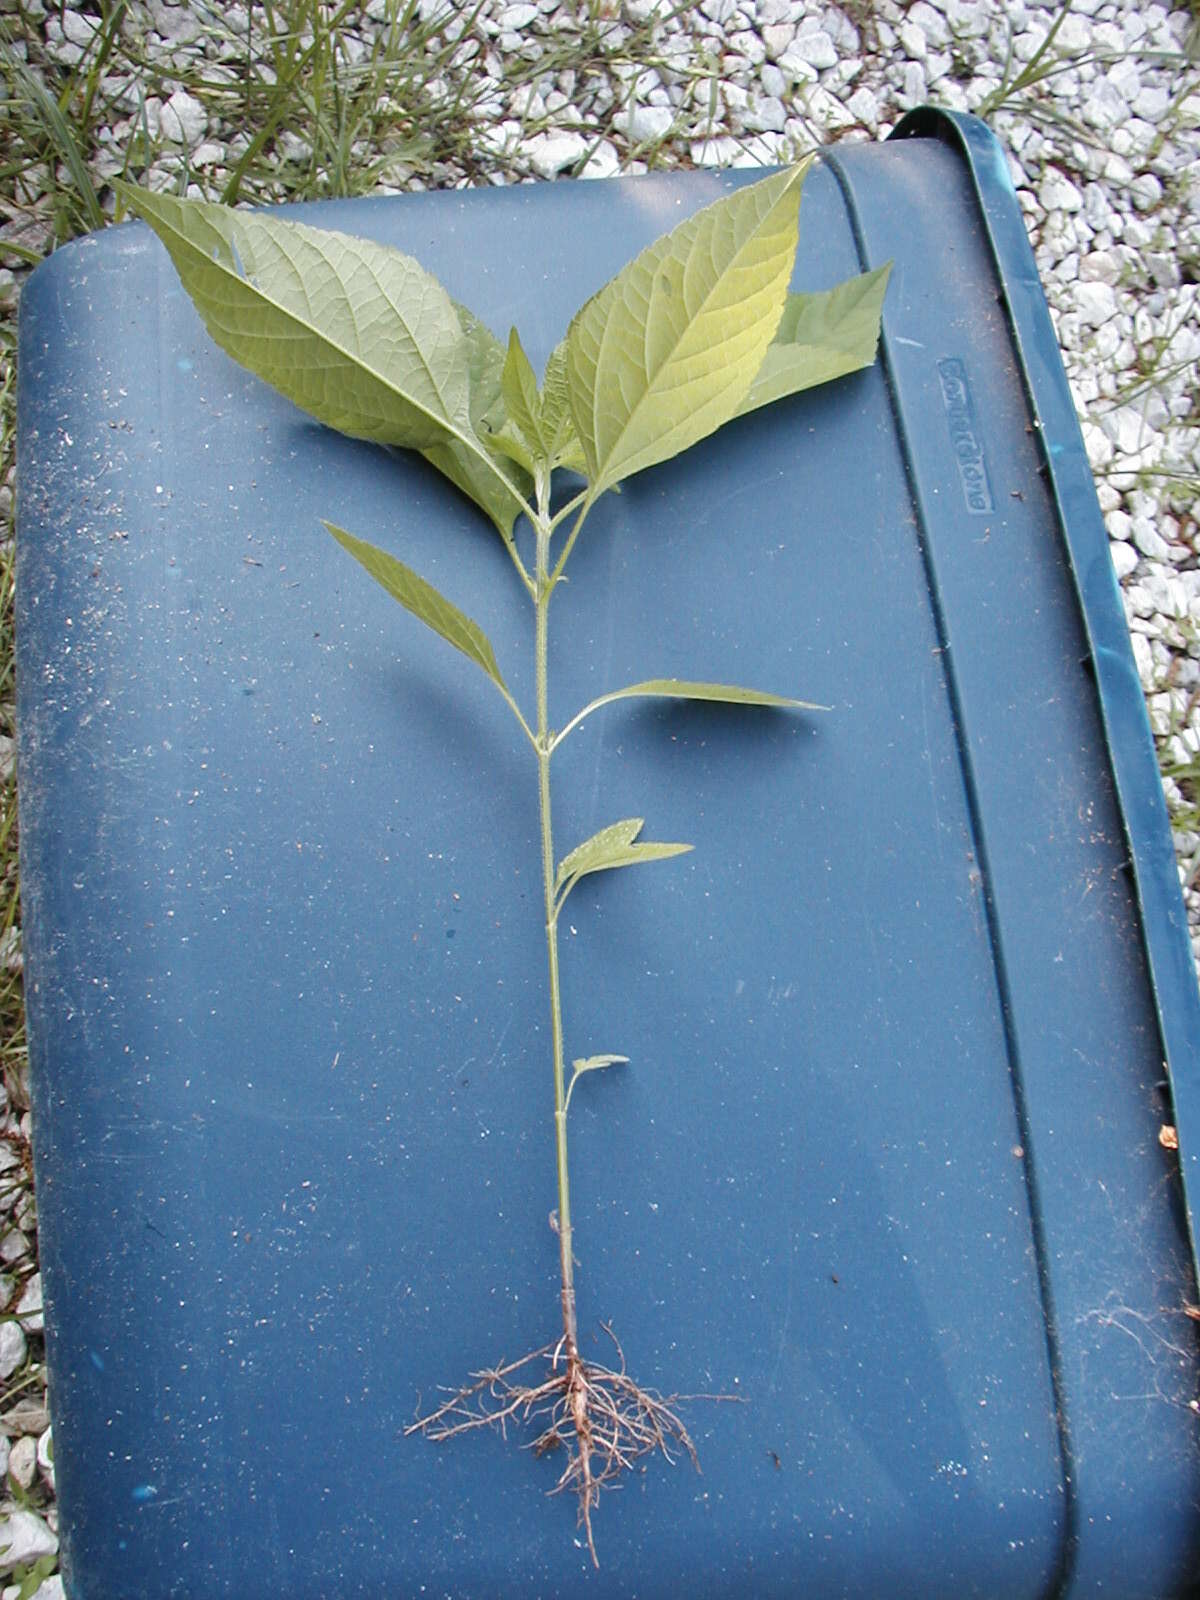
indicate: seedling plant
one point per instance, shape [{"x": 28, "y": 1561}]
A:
[{"x": 698, "y": 329}]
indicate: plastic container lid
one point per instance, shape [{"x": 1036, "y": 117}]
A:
[{"x": 885, "y": 1162}]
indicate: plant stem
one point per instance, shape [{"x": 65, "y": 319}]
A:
[{"x": 543, "y": 744}]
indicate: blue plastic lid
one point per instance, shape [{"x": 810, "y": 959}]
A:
[{"x": 885, "y": 1163}]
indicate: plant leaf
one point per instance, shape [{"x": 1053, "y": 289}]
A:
[
  {"x": 613, "y": 847},
  {"x": 665, "y": 353},
  {"x": 558, "y": 426},
  {"x": 595, "y": 1063},
  {"x": 617, "y": 835},
  {"x": 730, "y": 694},
  {"x": 589, "y": 1064},
  {"x": 361, "y": 337},
  {"x": 820, "y": 337},
  {"x": 424, "y": 601},
  {"x": 358, "y": 335},
  {"x": 523, "y": 404},
  {"x": 497, "y": 487},
  {"x": 684, "y": 689}
]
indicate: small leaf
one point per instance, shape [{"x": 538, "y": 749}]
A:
[
  {"x": 522, "y": 402},
  {"x": 730, "y": 694},
  {"x": 510, "y": 443},
  {"x": 821, "y": 337},
  {"x": 617, "y": 835},
  {"x": 590, "y": 1064},
  {"x": 683, "y": 689},
  {"x": 424, "y": 601},
  {"x": 613, "y": 847},
  {"x": 558, "y": 426},
  {"x": 596, "y": 1063},
  {"x": 496, "y": 486},
  {"x": 666, "y": 352}
]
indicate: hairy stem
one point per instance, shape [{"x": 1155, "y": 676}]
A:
[{"x": 543, "y": 744}]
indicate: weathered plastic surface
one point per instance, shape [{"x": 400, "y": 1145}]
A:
[{"x": 885, "y": 1163}]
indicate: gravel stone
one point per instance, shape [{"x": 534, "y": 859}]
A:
[
  {"x": 815, "y": 49},
  {"x": 645, "y": 124},
  {"x": 59, "y": 47},
  {"x": 1145, "y": 191},
  {"x": 773, "y": 81},
  {"x": 913, "y": 85},
  {"x": 1149, "y": 541},
  {"x": 27, "y": 1416},
  {"x": 776, "y": 37},
  {"x": 22, "y": 1462},
  {"x": 175, "y": 25},
  {"x": 52, "y": 1589},
  {"x": 1097, "y": 302},
  {"x": 29, "y": 1306},
  {"x": 604, "y": 161},
  {"x": 45, "y": 1457},
  {"x": 966, "y": 20},
  {"x": 13, "y": 1247},
  {"x": 183, "y": 118},
  {"x": 27, "y": 1539},
  {"x": 1056, "y": 192},
  {"x": 1105, "y": 107},
  {"x": 12, "y": 1348},
  {"x": 1124, "y": 558},
  {"x": 1099, "y": 266},
  {"x": 864, "y": 106},
  {"x": 79, "y": 27},
  {"x": 765, "y": 115},
  {"x": 550, "y": 153},
  {"x": 208, "y": 154}
]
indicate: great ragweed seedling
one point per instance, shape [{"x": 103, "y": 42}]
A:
[{"x": 696, "y": 330}]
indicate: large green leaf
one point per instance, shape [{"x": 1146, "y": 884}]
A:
[
  {"x": 821, "y": 337},
  {"x": 358, "y": 335},
  {"x": 666, "y": 351},
  {"x": 424, "y": 601},
  {"x": 685, "y": 689},
  {"x": 612, "y": 847}
]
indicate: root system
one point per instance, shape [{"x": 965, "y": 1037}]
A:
[{"x": 598, "y": 1415}]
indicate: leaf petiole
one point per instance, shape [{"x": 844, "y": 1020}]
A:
[
  {"x": 585, "y": 501},
  {"x": 565, "y": 511},
  {"x": 510, "y": 544},
  {"x": 516, "y": 711}
]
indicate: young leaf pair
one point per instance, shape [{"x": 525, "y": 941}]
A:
[{"x": 698, "y": 329}]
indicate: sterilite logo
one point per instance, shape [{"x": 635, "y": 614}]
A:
[{"x": 964, "y": 436}]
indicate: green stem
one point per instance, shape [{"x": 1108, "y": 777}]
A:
[{"x": 544, "y": 745}]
